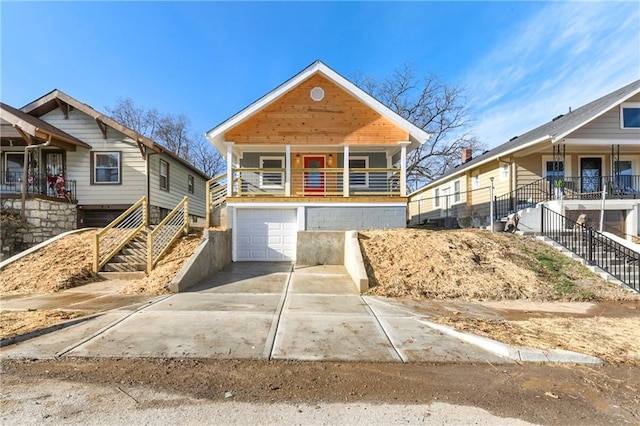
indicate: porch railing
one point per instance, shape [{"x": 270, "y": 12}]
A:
[
  {"x": 317, "y": 182},
  {"x": 597, "y": 249},
  {"x": 110, "y": 240},
  {"x": 216, "y": 194},
  {"x": 567, "y": 188},
  {"x": 166, "y": 232},
  {"x": 38, "y": 183}
]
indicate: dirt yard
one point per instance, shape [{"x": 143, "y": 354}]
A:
[
  {"x": 476, "y": 265},
  {"x": 66, "y": 263},
  {"x": 482, "y": 266}
]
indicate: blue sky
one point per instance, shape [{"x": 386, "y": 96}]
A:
[{"x": 522, "y": 63}]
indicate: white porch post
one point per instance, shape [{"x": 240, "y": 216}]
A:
[
  {"x": 345, "y": 173},
  {"x": 287, "y": 176},
  {"x": 403, "y": 168},
  {"x": 229, "y": 168}
]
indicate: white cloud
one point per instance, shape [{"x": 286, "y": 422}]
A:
[{"x": 566, "y": 55}]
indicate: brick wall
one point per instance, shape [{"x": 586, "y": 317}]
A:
[{"x": 44, "y": 219}]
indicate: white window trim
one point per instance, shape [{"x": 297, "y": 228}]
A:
[
  {"x": 635, "y": 164},
  {"x": 165, "y": 188},
  {"x": 436, "y": 197},
  {"x": 282, "y": 162},
  {"x": 475, "y": 180},
  {"x": 501, "y": 175},
  {"x": 459, "y": 193},
  {"x": 95, "y": 167},
  {"x": 352, "y": 170},
  {"x": 622, "y": 107},
  {"x": 549, "y": 158}
]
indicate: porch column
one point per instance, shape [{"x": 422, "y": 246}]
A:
[
  {"x": 403, "y": 168},
  {"x": 345, "y": 173},
  {"x": 287, "y": 176},
  {"x": 229, "y": 168}
]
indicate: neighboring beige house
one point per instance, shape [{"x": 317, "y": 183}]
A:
[
  {"x": 75, "y": 154},
  {"x": 562, "y": 164},
  {"x": 316, "y": 153}
]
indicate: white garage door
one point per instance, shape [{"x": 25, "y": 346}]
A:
[{"x": 266, "y": 234}]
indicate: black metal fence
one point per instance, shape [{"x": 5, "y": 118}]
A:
[
  {"x": 597, "y": 249},
  {"x": 38, "y": 183},
  {"x": 567, "y": 188}
]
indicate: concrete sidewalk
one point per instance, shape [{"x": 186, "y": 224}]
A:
[{"x": 266, "y": 311}]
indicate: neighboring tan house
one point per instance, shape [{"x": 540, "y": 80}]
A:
[
  {"x": 563, "y": 164},
  {"x": 76, "y": 155},
  {"x": 316, "y": 153}
]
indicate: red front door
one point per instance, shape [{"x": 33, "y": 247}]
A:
[{"x": 313, "y": 180}]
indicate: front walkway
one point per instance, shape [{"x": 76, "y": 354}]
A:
[{"x": 260, "y": 311}]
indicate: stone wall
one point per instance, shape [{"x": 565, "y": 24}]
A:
[{"x": 44, "y": 219}]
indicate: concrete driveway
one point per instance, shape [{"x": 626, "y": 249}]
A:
[{"x": 259, "y": 311}]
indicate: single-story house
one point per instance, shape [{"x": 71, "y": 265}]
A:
[{"x": 564, "y": 164}]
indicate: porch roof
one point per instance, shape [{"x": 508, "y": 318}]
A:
[
  {"x": 550, "y": 132},
  {"x": 33, "y": 127},
  {"x": 58, "y": 99}
]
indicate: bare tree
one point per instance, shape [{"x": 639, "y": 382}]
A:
[
  {"x": 171, "y": 131},
  {"x": 430, "y": 104}
]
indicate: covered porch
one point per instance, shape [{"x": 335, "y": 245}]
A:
[
  {"x": 292, "y": 171},
  {"x": 33, "y": 157}
]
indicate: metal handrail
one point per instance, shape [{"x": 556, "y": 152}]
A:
[
  {"x": 111, "y": 239},
  {"x": 567, "y": 188},
  {"x": 597, "y": 249},
  {"x": 526, "y": 196},
  {"x": 159, "y": 240}
]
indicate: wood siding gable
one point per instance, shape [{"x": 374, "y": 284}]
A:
[{"x": 338, "y": 119}]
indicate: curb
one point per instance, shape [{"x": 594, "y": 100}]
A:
[
  {"x": 516, "y": 354},
  {"x": 504, "y": 350}
]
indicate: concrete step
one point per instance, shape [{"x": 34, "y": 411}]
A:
[{"x": 127, "y": 276}]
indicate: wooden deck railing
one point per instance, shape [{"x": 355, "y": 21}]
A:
[
  {"x": 166, "y": 232},
  {"x": 110, "y": 240},
  {"x": 216, "y": 193}
]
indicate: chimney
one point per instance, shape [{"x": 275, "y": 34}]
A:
[{"x": 467, "y": 154}]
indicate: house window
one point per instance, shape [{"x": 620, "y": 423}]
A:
[
  {"x": 190, "y": 184},
  {"x": 272, "y": 179},
  {"x": 436, "y": 197},
  {"x": 13, "y": 167},
  {"x": 475, "y": 181},
  {"x": 630, "y": 115},
  {"x": 456, "y": 191},
  {"x": 164, "y": 175},
  {"x": 106, "y": 168},
  {"x": 555, "y": 172},
  {"x": 623, "y": 175},
  {"x": 504, "y": 171},
  {"x": 358, "y": 179}
]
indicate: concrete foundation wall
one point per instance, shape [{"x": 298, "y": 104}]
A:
[
  {"x": 44, "y": 219},
  {"x": 211, "y": 256},
  {"x": 320, "y": 248},
  {"x": 353, "y": 262},
  {"x": 355, "y": 218}
]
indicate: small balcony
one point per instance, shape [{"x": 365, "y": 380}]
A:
[
  {"x": 54, "y": 186},
  {"x": 314, "y": 182}
]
